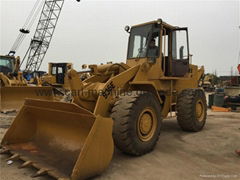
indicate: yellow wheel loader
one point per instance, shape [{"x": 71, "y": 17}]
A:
[
  {"x": 120, "y": 104},
  {"x": 14, "y": 88},
  {"x": 9, "y": 72}
]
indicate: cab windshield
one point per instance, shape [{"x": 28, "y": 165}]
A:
[
  {"x": 138, "y": 41},
  {"x": 6, "y": 63}
]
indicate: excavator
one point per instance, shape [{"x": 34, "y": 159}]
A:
[{"x": 121, "y": 104}]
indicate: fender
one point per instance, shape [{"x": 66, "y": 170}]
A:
[
  {"x": 114, "y": 83},
  {"x": 146, "y": 86}
]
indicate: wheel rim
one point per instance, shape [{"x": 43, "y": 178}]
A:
[
  {"x": 147, "y": 123},
  {"x": 200, "y": 110}
]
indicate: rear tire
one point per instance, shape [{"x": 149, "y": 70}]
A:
[
  {"x": 137, "y": 122},
  {"x": 191, "y": 110}
]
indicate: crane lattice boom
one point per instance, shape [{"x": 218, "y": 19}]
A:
[{"x": 43, "y": 34}]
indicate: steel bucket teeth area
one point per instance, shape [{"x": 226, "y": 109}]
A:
[{"x": 62, "y": 140}]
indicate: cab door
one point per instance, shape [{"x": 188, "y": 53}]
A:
[
  {"x": 180, "y": 52},
  {"x": 61, "y": 68}
]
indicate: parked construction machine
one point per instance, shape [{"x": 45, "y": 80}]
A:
[
  {"x": 9, "y": 72},
  {"x": 208, "y": 82},
  {"x": 14, "y": 88},
  {"x": 120, "y": 103},
  {"x": 57, "y": 75}
]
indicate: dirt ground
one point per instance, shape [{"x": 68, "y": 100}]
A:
[{"x": 178, "y": 155}]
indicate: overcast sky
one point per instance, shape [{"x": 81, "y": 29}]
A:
[{"x": 92, "y": 31}]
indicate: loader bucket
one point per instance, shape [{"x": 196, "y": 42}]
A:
[
  {"x": 12, "y": 98},
  {"x": 60, "y": 139}
]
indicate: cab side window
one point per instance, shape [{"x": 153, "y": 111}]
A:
[
  {"x": 54, "y": 70},
  {"x": 180, "y": 52},
  {"x": 60, "y": 70},
  {"x": 179, "y": 45}
]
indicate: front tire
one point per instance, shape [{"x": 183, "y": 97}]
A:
[
  {"x": 137, "y": 122},
  {"x": 191, "y": 110}
]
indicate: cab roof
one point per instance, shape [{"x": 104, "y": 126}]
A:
[
  {"x": 7, "y": 57},
  {"x": 158, "y": 21}
]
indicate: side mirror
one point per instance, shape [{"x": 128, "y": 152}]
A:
[{"x": 127, "y": 29}]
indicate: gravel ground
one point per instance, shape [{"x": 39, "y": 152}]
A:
[{"x": 208, "y": 154}]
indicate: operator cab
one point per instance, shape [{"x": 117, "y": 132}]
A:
[
  {"x": 59, "y": 70},
  {"x": 7, "y": 64},
  {"x": 159, "y": 42}
]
